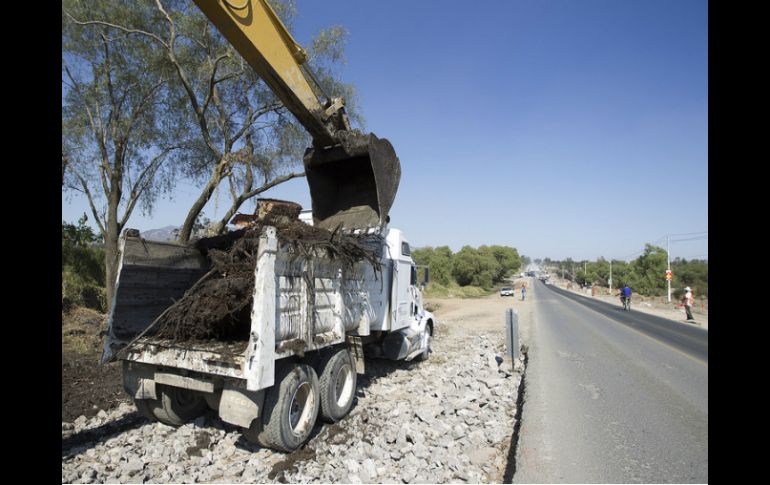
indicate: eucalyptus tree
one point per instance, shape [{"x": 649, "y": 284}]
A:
[{"x": 117, "y": 137}]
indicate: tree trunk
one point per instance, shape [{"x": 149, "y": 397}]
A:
[
  {"x": 111, "y": 258},
  {"x": 186, "y": 231},
  {"x": 112, "y": 235}
]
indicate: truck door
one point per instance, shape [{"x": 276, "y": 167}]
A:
[{"x": 403, "y": 294}]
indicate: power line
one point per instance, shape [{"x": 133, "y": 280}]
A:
[{"x": 699, "y": 238}]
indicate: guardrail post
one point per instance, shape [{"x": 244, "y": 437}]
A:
[{"x": 512, "y": 334}]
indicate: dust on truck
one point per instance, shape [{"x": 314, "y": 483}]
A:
[{"x": 310, "y": 321}]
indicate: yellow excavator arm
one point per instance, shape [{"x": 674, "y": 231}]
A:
[
  {"x": 256, "y": 32},
  {"x": 353, "y": 178}
]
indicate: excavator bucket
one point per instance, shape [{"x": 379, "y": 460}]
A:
[{"x": 353, "y": 184}]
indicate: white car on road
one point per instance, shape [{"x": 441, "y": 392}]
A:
[{"x": 506, "y": 291}]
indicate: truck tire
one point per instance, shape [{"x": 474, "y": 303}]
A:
[
  {"x": 176, "y": 406},
  {"x": 337, "y": 385},
  {"x": 290, "y": 411},
  {"x": 426, "y": 354}
]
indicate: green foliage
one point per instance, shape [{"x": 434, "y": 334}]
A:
[
  {"x": 78, "y": 236},
  {"x": 438, "y": 260},
  {"x": 453, "y": 290},
  {"x": 648, "y": 271},
  {"x": 507, "y": 258},
  {"x": 473, "y": 267},
  {"x": 693, "y": 273},
  {"x": 482, "y": 268},
  {"x": 82, "y": 268},
  {"x": 645, "y": 275}
]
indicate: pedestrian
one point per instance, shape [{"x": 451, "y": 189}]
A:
[
  {"x": 688, "y": 301},
  {"x": 523, "y": 291}
]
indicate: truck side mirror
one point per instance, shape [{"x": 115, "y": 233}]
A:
[
  {"x": 413, "y": 279},
  {"x": 426, "y": 276}
]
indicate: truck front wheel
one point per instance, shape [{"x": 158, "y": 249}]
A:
[
  {"x": 174, "y": 406},
  {"x": 290, "y": 411},
  {"x": 428, "y": 334},
  {"x": 338, "y": 386}
]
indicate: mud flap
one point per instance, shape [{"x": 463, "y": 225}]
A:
[
  {"x": 353, "y": 184},
  {"x": 357, "y": 352}
]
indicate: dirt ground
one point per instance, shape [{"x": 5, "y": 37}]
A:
[
  {"x": 87, "y": 387},
  {"x": 469, "y": 316}
]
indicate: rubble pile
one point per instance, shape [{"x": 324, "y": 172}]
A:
[{"x": 446, "y": 420}]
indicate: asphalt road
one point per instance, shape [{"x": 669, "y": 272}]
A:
[{"x": 612, "y": 396}]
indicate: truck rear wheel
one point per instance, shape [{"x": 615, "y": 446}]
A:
[
  {"x": 290, "y": 411},
  {"x": 176, "y": 406},
  {"x": 338, "y": 386},
  {"x": 144, "y": 406}
]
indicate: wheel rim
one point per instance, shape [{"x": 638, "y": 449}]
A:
[
  {"x": 344, "y": 385},
  {"x": 301, "y": 409}
]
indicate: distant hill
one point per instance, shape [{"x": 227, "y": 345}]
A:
[{"x": 162, "y": 234}]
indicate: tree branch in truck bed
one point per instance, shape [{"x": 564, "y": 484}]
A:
[{"x": 218, "y": 307}]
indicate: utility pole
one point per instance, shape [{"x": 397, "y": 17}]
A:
[
  {"x": 610, "y": 281},
  {"x": 668, "y": 259}
]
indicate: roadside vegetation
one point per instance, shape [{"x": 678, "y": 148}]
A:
[
  {"x": 82, "y": 268},
  {"x": 468, "y": 273},
  {"x": 646, "y": 275}
]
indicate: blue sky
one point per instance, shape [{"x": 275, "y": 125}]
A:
[{"x": 562, "y": 128}]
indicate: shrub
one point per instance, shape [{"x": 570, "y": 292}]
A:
[{"x": 83, "y": 269}]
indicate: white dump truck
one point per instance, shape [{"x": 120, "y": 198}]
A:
[{"x": 310, "y": 322}]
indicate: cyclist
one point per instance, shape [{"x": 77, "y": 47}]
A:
[{"x": 626, "y": 298}]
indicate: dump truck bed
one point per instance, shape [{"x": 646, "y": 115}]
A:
[{"x": 300, "y": 304}]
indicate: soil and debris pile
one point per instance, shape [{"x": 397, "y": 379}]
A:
[{"x": 218, "y": 306}]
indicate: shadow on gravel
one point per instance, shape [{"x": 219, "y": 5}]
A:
[
  {"x": 379, "y": 368},
  {"x": 510, "y": 466},
  {"x": 78, "y": 443}
]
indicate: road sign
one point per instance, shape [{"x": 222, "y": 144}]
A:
[{"x": 669, "y": 275}]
